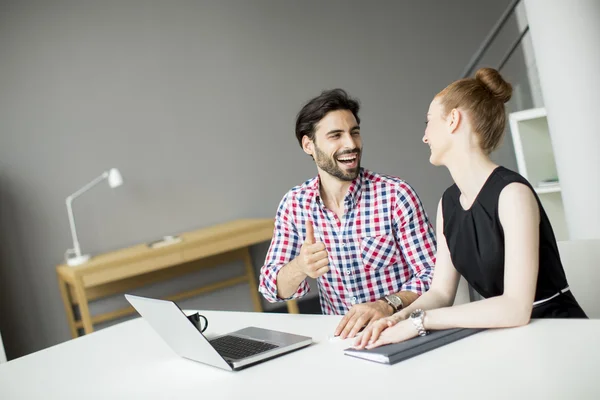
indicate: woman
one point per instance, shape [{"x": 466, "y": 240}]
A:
[{"x": 491, "y": 227}]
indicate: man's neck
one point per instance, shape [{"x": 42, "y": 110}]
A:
[{"x": 333, "y": 190}]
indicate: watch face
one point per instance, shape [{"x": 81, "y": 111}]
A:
[
  {"x": 416, "y": 314},
  {"x": 396, "y": 301}
]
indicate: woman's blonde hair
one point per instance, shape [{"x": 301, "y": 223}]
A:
[{"x": 483, "y": 98}]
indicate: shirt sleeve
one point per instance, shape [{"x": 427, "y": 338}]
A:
[
  {"x": 416, "y": 239},
  {"x": 285, "y": 246}
]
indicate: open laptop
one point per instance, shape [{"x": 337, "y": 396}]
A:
[{"x": 231, "y": 351}]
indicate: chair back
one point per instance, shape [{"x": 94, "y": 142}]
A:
[{"x": 581, "y": 261}]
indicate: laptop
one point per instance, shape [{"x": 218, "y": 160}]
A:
[
  {"x": 394, "y": 353},
  {"x": 232, "y": 351}
]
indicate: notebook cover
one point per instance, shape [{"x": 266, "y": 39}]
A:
[{"x": 393, "y": 353}]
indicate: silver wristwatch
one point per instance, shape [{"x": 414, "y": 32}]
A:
[
  {"x": 417, "y": 317},
  {"x": 395, "y": 301}
]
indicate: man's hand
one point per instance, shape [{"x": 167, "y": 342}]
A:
[
  {"x": 313, "y": 259},
  {"x": 361, "y": 315}
]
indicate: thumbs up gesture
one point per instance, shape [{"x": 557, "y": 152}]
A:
[{"x": 313, "y": 259}]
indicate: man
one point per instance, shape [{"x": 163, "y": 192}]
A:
[{"x": 365, "y": 237}]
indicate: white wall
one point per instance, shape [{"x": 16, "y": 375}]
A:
[{"x": 195, "y": 103}]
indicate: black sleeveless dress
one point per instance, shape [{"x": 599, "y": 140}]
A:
[{"x": 476, "y": 242}]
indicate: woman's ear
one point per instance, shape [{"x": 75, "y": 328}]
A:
[
  {"x": 308, "y": 145},
  {"x": 454, "y": 120}
]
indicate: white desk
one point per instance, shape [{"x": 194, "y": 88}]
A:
[{"x": 552, "y": 359}]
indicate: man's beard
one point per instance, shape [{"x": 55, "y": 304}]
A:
[{"x": 330, "y": 165}]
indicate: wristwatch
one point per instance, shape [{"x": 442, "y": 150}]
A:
[
  {"x": 395, "y": 301},
  {"x": 417, "y": 317}
]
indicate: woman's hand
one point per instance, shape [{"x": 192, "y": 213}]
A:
[
  {"x": 372, "y": 332},
  {"x": 397, "y": 333}
]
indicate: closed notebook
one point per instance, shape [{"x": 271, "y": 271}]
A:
[{"x": 393, "y": 353}]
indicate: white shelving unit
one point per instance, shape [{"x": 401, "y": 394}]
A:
[{"x": 535, "y": 160}]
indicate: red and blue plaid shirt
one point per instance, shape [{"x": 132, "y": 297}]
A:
[{"x": 383, "y": 244}]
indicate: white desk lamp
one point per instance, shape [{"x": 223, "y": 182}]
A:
[{"x": 73, "y": 256}]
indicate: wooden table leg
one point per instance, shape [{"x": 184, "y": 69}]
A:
[
  {"x": 292, "y": 306},
  {"x": 64, "y": 293},
  {"x": 84, "y": 310},
  {"x": 252, "y": 280}
]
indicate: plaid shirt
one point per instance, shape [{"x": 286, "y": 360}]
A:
[{"x": 383, "y": 244}]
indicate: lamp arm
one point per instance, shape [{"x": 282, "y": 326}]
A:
[
  {"x": 89, "y": 186},
  {"x": 69, "y": 202}
]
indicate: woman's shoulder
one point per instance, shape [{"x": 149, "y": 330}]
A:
[
  {"x": 508, "y": 176},
  {"x": 451, "y": 193},
  {"x": 498, "y": 182},
  {"x": 509, "y": 190},
  {"x": 517, "y": 203},
  {"x": 450, "y": 199}
]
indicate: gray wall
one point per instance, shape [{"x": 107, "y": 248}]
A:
[{"x": 194, "y": 101}]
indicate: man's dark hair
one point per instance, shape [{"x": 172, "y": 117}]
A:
[{"x": 314, "y": 111}]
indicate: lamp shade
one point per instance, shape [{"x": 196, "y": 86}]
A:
[{"x": 114, "y": 178}]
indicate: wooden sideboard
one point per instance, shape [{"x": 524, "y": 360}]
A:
[{"x": 126, "y": 269}]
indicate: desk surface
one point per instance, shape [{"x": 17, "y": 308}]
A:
[
  {"x": 231, "y": 235},
  {"x": 552, "y": 359}
]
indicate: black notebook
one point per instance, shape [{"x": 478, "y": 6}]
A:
[{"x": 393, "y": 353}]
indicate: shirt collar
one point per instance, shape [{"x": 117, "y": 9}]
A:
[{"x": 354, "y": 191}]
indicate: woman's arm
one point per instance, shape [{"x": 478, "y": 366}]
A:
[
  {"x": 445, "y": 277},
  {"x": 440, "y": 294},
  {"x": 520, "y": 218}
]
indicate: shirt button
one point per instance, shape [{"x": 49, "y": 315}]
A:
[
  {"x": 348, "y": 272},
  {"x": 353, "y": 300},
  {"x": 343, "y": 244}
]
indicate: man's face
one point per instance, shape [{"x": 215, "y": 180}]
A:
[{"x": 337, "y": 146}]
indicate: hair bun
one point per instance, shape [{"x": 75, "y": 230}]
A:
[{"x": 493, "y": 81}]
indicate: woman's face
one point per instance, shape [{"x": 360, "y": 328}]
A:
[{"x": 437, "y": 134}]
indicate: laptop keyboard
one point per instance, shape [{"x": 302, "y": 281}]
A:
[{"x": 236, "y": 348}]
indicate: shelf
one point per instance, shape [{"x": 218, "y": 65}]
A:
[
  {"x": 548, "y": 189},
  {"x": 533, "y": 145},
  {"x": 535, "y": 160},
  {"x": 528, "y": 115}
]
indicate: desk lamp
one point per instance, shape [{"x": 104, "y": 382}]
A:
[{"x": 73, "y": 256}]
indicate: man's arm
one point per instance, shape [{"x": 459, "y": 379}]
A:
[
  {"x": 283, "y": 276},
  {"x": 361, "y": 315},
  {"x": 312, "y": 261},
  {"x": 441, "y": 293},
  {"x": 416, "y": 239},
  {"x": 278, "y": 280},
  {"x": 407, "y": 299},
  {"x": 289, "y": 279},
  {"x": 520, "y": 218}
]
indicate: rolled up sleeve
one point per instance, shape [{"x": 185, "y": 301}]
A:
[
  {"x": 416, "y": 238},
  {"x": 285, "y": 246}
]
